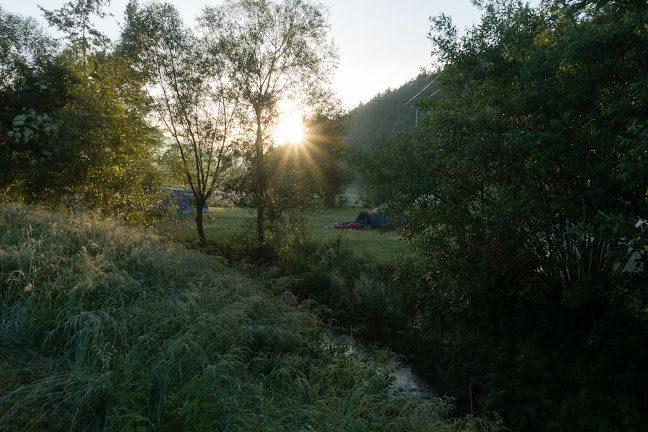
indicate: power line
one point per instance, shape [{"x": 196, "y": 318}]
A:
[
  {"x": 424, "y": 88},
  {"x": 364, "y": 101},
  {"x": 373, "y": 100}
]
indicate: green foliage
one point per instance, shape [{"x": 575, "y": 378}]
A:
[
  {"x": 524, "y": 187},
  {"x": 350, "y": 290},
  {"x": 105, "y": 328},
  {"x": 76, "y": 135},
  {"x": 23, "y": 45},
  {"x": 302, "y": 177},
  {"x": 308, "y": 174},
  {"x": 326, "y": 152}
]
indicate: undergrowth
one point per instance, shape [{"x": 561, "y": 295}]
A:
[
  {"x": 107, "y": 328},
  {"x": 490, "y": 342}
]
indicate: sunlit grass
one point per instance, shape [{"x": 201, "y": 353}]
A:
[
  {"x": 219, "y": 223},
  {"x": 225, "y": 223}
]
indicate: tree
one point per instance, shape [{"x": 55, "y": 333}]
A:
[
  {"x": 325, "y": 152},
  {"x": 293, "y": 187},
  {"x": 304, "y": 175},
  {"x": 192, "y": 99},
  {"x": 74, "y": 19},
  {"x": 23, "y": 44},
  {"x": 310, "y": 173},
  {"x": 77, "y": 132},
  {"x": 24, "y": 48},
  {"x": 525, "y": 187},
  {"x": 532, "y": 119},
  {"x": 273, "y": 51}
]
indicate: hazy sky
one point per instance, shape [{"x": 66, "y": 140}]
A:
[{"x": 382, "y": 43}]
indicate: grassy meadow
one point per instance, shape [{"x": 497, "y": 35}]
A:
[
  {"x": 104, "y": 327},
  {"x": 222, "y": 224}
]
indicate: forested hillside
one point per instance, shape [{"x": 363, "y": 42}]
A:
[{"x": 388, "y": 113}]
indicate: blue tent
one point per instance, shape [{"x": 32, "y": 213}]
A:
[
  {"x": 378, "y": 219},
  {"x": 181, "y": 199}
]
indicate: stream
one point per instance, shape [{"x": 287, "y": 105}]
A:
[{"x": 406, "y": 379}]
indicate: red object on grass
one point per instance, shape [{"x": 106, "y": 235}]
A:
[{"x": 354, "y": 225}]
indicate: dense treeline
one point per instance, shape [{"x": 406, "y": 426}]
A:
[
  {"x": 525, "y": 189},
  {"x": 72, "y": 122}
]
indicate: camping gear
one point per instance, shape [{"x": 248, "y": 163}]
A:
[
  {"x": 181, "y": 200},
  {"x": 373, "y": 219},
  {"x": 378, "y": 219},
  {"x": 349, "y": 225}
]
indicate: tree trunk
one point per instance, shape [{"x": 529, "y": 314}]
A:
[
  {"x": 260, "y": 177},
  {"x": 199, "y": 221},
  {"x": 330, "y": 200}
]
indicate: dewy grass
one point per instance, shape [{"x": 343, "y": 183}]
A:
[{"x": 106, "y": 328}]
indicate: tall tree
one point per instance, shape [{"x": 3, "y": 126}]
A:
[
  {"x": 24, "y": 49},
  {"x": 192, "y": 98},
  {"x": 75, "y": 20},
  {"x": 273, "y": 51},
  {"x": 23, "y": 44}
]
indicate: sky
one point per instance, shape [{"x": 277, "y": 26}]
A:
[{"x": 382, "y": 43}]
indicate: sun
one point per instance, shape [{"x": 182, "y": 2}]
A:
[{"x": 290, "y": 130}]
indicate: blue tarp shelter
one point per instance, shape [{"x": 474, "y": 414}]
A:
[{"x": 181, "y": 199}]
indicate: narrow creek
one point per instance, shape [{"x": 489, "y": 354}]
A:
[{"x": 406, "y": 379}]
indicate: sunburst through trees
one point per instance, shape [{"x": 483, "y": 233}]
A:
[
  {"x": 308, "y": 172},
  {"x": 273, "y": 52},
  {"x": 290, "y": 130}
]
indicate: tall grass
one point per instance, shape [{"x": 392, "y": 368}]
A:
[{"x": 106, "y": 328}]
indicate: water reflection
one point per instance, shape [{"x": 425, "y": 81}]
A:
[{"x": 405, "y": 378}]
